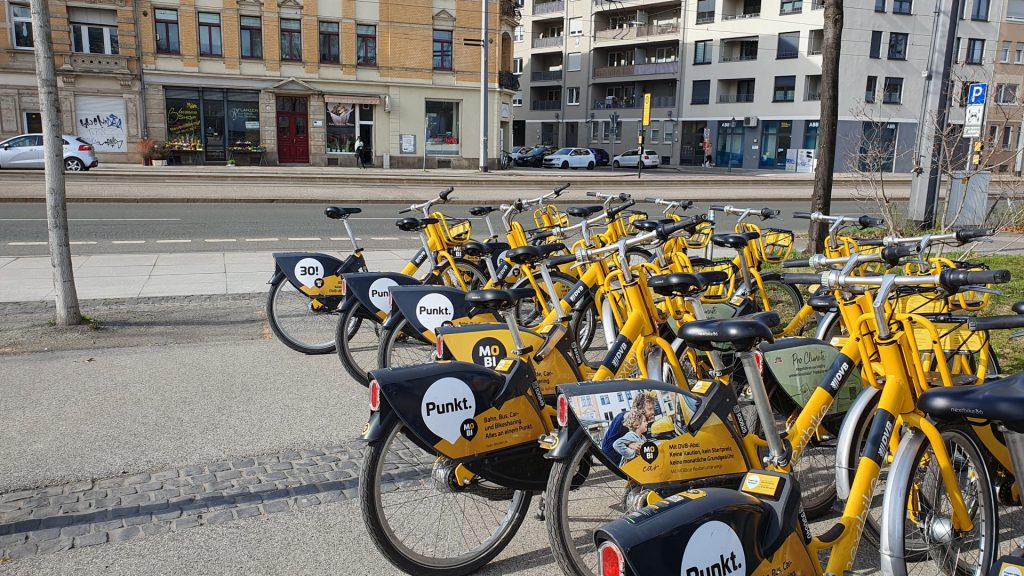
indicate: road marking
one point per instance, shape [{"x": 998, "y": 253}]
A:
[
  {"x": 26, "y": 243},
  {"x": 219, "y": 240},
  {"x": 127, "y": 241},
  {"x": 383, "y": 238},
  {"x": 95, "y": 220},
  {"x": 261, "y": 240},
  {"x": 81, "y": 242},
  {"x": 173, "y": 241},
  {"x": 340, "y": 238},
  {"x": 303, "y": 239}
]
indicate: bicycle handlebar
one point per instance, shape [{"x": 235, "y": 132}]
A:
[
  {"x": 864, "y": 221},
  {"x": 801, "y": 278},
  {"x": 613, "y": 212},
  {"x": 621, "y": 196},
  {"x": 1007, "y": 322}
]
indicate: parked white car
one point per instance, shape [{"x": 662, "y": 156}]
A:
[
  {"x": 571, "y": 158},
  {"x": 518, "y": 152},
  {"x": 26, "y": 151},
  {"x": 630, "y": 159}
]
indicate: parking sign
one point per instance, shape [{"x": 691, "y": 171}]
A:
[{"x": 976, "y": 93}]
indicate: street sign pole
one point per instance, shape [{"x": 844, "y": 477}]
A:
[{"x": 646, "y": 121}]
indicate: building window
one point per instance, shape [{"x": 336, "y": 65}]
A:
[
  {"x": 897, "y": 46},
  {"x": 366, "y": 45},
  {"x": 1018, "y": 53},
  {"x": 791, "y": 7},
  {"x": 665, "y": 54},
  {"x": 167, "y": 41},
  {"x": 93, "y": 31},
  {"x": 902, "y": 6},
  {"x": 956, "y": 50},
  {"x": 655, "y": 137},
  {"x": 705, "y": 11},
  {"x": 345, "y": 121},
  {"x": 442, "y": 128},
  {"x": 1015, "y": 10},
  {"x": 251, "y": 36},
  {"x": 869, "y": 90},
  {"x": 21, "y": 19},
  {"x": 702, "y": 52},
  {"x": 975, "y": 51},
  {"x": 575, "y": 61},
  {"x": 1006, "y": 93},
  {"x": 291, "y": 39},
  {"x": 892, "y": 91},
  {"x": 876, "y": 44},
  {"x": 517, "y": 100},
  {"x": 517, "y": 65},
  {"x": 1007, "y": 138},
  {"x": 670, "y": 136},
  {"x": 1004, "y": 53},
  {"x": 785, "y": 88},
  {"x": 879, "y": 5},
  {"x": 209, "y": 35},
  {"x": 442, "y": 49},
  {"x": 980, "y": 11},
  {"x": 595, "y": 135},
  {"x": 993, "y": 131},
  {"x": 576, "y": 26},
  {"x": 518, "y": 34},
  {"x": 789, "y": 45},
  {"x": 330, "y": 51},
  {"x": 701, "y": 93},
  {"x": 572, "y": 96}
]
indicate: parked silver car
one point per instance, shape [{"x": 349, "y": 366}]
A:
[{"x": 26, "y": 151}]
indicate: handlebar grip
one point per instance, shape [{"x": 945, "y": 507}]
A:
[
  {"x": 805, "y": 263},
  {"x": 665, "y": 231},
  {"x": 650, "y": 200},
  {"x": 613, "y": 212},
  {"x": 802, "y": 215},
  {"x": 893, "y": 254},
  {"x": 717, "y": 208},
  {"x": 405, "y": 210},
  {"x": 870, "y": 221},
  {"x": 954, "y": 279},
  {"x": 444, "y": 194},
  {"x": 869, "y": 242},
  {"x": 767, "y": 213},
  {"x": 966, "y": 235},
  {"x": 805, "y": 278},
  {"x": 540, "y": 235},
  {"x": 592, "y": 194},
  {"x": 559, "y": 260},
  {"x": 561, "y": 188},
  {"x": 1008, "y": 322},
  {"x": 624, "y": 196}
]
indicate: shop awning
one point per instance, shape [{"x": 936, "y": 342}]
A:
[{"x": 364, "y": 99}]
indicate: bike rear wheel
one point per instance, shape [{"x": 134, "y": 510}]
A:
[
  {"x": 421, "y": 520},
  {"x": 400, "y": 348},
  {"x": 358, "y": 336},
  {"x": 300, "y": 322}
]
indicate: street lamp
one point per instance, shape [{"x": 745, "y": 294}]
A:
[{"x": 732, "y": 134}]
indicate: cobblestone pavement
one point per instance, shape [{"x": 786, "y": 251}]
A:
[{"x": 91, "y": 512}]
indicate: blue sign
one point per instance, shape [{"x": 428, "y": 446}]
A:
[{"x": 976, "y": 93}]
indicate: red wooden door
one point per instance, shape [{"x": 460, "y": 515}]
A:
[{"x": 292, "y": 131}]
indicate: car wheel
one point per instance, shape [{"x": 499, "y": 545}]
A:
[
  {"x": 565, "y": 164},
  {"x": 615, "y": 164},
  {"x": 590, "y": 166},
  {"x": 73, "y": 165}
]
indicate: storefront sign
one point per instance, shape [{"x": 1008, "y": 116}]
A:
[
  {"x": 101, "y": 121},
  {"x": 408, "y": 142},
  {"x": 252, "y": 125}
]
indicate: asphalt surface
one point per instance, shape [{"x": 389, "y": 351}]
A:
[{"x": 103, "y": 228}]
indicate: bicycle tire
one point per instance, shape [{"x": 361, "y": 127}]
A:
[
  {"x": 375, "y": 482},
  {"x": 787, "y": 305},
  {"x": 472, "y": 275},
  {"x": 393, "y": 339},
  {"x": 357, "y": 347},
  {"x": 583, "y": 321},
  {"x": 317, "y": 322}
]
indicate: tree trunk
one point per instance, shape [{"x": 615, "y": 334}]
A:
[
  {"x": 68, "y": 312},
  {"x": 821, "y": 199}
]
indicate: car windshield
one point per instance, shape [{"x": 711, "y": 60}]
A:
[{"x": 563, "y": 152}]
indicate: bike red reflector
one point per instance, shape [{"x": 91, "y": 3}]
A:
[
  {"x": 343, "y": 287},
  {"x": 84, "y": 148},
  {"x": 759, "y": 360},
  {"x": 612, "y": 563},
  {"x": 440, "y": 347},
  {"x": 374, "y": 395},
  {"x": 563, "y": 410}
]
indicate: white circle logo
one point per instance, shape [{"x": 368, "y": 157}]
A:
[
  {"x": 752, "y": 482},
  {"x": 433, "y": 310},
  {"x": 380, "y": 293},
  {"x": 308, "y": 271},
  {"x": 713, "y": 549},
  {"x": 1010, "y": 570},
  {"x": 446, "y": 407}
]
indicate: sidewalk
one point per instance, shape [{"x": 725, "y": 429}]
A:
[{"x": 30, "y": 279}]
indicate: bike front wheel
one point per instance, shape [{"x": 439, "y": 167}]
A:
[
  {"x": 300, "y": 322},
  {"x": 422, "y": 520},
  {"x": 358, "y": 336},
  {"x": 399, "y": 347}
]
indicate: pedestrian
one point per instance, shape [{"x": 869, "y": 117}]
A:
[
  {"x": 707, "y": 154},
  {"x": 359, "y": 151}
]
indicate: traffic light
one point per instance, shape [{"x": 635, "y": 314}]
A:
[{"x": 979, "y": 147}]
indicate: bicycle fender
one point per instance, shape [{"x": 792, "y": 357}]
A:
[
  {"x": 430, "y": 307},
  {"x": 312, "y": 273},
  {"x": 378, "y": 422},
  {"x": 568, "y": 437},
  {"x": 372, "y": 289},
  {"x": 845, "y": 450}
]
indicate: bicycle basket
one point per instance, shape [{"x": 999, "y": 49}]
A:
[
  {"x": 630, "y": 217},
  {"x": 701, "y": 236},
  {"x": 456, "y": 231},
  {"x": 775, "y": 245},
  {"x": 723, "y": 291},
  {"x": 548, "y": 216}
]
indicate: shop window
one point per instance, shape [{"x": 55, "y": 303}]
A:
[
  {"x": 345, "y": 121},
  {"x": 330, "y": 52},
  {"x": 167, "y": 39},
  {"x": 251, "y": 36},
  {"x": 209, "y": 35},
  {"x": 93, "y": 31},
  {"x": 442, "y": 128},
  {"x": 366, "y": 45},
  {"x": 442, "y": 49},
  {"x": 291, "y": 39},
  {"x": 243, "y": 119},
  {"x": 182, "y": 110}
]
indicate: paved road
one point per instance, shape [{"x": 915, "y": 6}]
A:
[{"x": 102, "y": 228}]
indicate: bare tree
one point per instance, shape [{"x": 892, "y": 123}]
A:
[
  {"x": 821, "y": 199},
  {"x": 68, "y": 311}
]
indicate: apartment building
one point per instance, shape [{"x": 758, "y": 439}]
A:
[
  {"x": 299, "y": 81},
  {"x": 1005, "y": 113},
  {"x": 743, "y": 76}
]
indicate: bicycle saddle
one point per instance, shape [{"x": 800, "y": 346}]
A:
[
  {"x": 493, "y": 300},
  {"x": 1018, "y": 308},
  {"x": 682, "y": 284},
  {"x": 538, "y": 235},
  {"x": 336, "y": 213},
  {"x": 533, "y": 254},
  {"x": 734, "y": 241},
  {"x": 697, "y": 261},
  {"x": 414, "y": 224},
  {"x": 651, "y": 225},
  {"x": 482, "y": 210},
  {"x": 478, "y": 249},
  {"x": 742, "y": 333},
  {"x": 583, "y": 211},
  {"x": 1001, "y": 401}
]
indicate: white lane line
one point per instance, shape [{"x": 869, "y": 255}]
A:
[
  {"x": 340, "y": 238},
  {"x": 261, "y": 240},
  {"x": 173, "y": 241},
  {"x": 219, "y": 240},
  {"x": 95, "y": 219},
  {"x": 81, "y": 243},
  {"x": 383, "y": 238},
  {"x": 127, "y": 241},
  {"x": 303, "y": 239},
  {"x": 26, "y": 243}
]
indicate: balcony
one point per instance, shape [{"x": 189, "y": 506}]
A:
[
  {"x": 707, "y": 17},
  {"x": 548, "y": 7},
  {"x": 740, "y": 16},
  {"x": 546, "y": 76},
  {"x": 508, "y": 81},
  {"x": 817, "y": 4},
  {"x": 546, "y": 105},
  {"x": 794, "y": 8},
  {"x": 656, "y": 102},
  {"x": 637, "y": 69},
  {"x": 636, "y": 32},
  {"x": 549, "y": 42},
  {"x": 735, "y": 98},
  {"x": 739, "y": 50},
  {"x": 510, "y": 10},
  {"x": 95, "y": 63}
]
